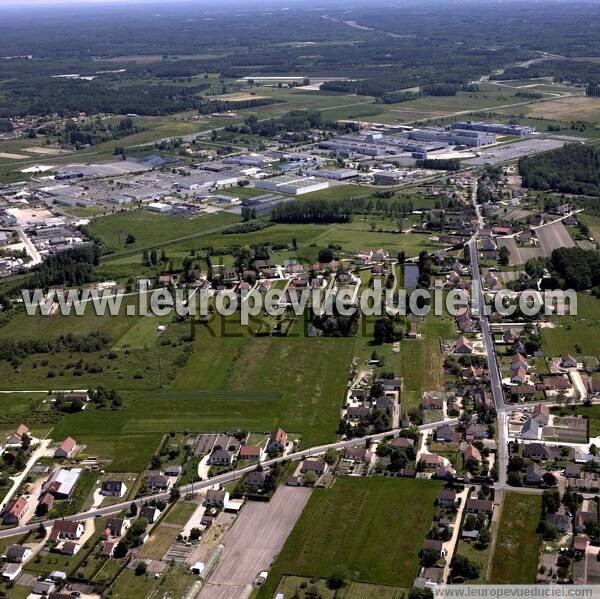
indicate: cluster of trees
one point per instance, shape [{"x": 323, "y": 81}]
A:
[
  {"x": 312, "y": 211},
  {"x": 72, "y": 267},
  {"x": 93, "y": 132},
  {"x": 336, "y": 325},
  {"x": 105, "y": 398},
  {"x": 248, "y": 227},
  {"x": 574, "y": 168},
  {"x": 575, "y": 71},
  {"x": 575, "y": 268},
  {"x": 442, "y": 164},
  {"x": 15, "y": 350}
]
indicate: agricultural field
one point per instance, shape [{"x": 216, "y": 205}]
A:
[
  {"x": 577, "y": 335},
  {"x": 517, "y": 548},
  {"x": 150, "y": 229},
  {"x": 590, "y": 412},
  {"x": 567, "y": 109},
  {"x": 335, "y": 531}
]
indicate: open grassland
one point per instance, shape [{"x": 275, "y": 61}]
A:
[
  {"x": 304, "y": 377},
  {"x": 174, "y": 582},
  {"x": 150, "y": 229},
  {"x": 567, "y": 109},
  {"x": 517, "y": 547},
  {"x": 575, "y": 334},
  {"x": 304, "y": 588},
  {"x": 371, "y": 530},
  {"x": 592, "y": 221}
]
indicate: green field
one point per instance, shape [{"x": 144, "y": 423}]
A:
[
  {"x": 370, "y": 529},
  {"x": 516, "y": 555},
  {"x": 577, "y": 335},
  {"x": 150, "y": 229},
  {"x": 591, "y": 412}
]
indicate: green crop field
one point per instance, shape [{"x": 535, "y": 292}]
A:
[
  {"x": 516, "y": 554},
  {"x": 575, "y": 334},
  {"x": 150, "y": 229},
  {"x": 372, "y": 530}
]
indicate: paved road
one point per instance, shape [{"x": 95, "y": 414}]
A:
[
  {"x": 490, "y": 350},
  {"x": 217, "y": 480}
]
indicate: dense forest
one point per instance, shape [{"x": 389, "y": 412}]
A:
[
  {"x": 575, "y": 168},
  {"x": 71, "y": 267},
  {"x": 576, "y": 268},
  {"x": 151, "y": 66}
]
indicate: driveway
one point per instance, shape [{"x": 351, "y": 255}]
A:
[
  {"x": 38, "y": 452},
  {"x": 450, "y": 546}
]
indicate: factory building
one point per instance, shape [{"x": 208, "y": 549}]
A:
[
  {"x": 292, "y": 185},
  {"x": 501, "y": 129},
  {"x": 459, "y": 137}
]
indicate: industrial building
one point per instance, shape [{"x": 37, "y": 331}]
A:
[
  {"x": 292, "y": 185},
  {"x": 459, "y": 137},
  {"x": 206, "y": 180},
  {"x": 337, "y": 174},
  {"x": 501, "y": 129}
]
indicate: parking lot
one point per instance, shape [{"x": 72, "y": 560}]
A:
[{"x": 514, "y": 151}]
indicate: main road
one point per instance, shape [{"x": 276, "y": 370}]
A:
[
  {"x": 490, "y": 349},
  {"x": 216, "y": 480}
]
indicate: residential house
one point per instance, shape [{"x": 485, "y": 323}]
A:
[
  {"x": 479, "y": 506},
  {"x": 538, "y": 451},
  {"x": 519, "y": 376},
  {"x": 256, "y": 479},
  {"x": 156, "y": 481},
  {"x": 555, "y": 383},
  {"x": 447, "y": 434},
  {"x": 113, "y": 488},
  {"x": 356, "y": 413},
  {"x": 402, "y": 442},
  {"x": 434, "y": 545},
  {"x": 534, "y": 474},
  {"x": 221, "y": 457},
  {"x": 66, "y": 448},
  {"x": 62, "y": 482},
  {"x": 117, "y": 526},
  {"x": 107, "y": 548},
  {"x": 10, "y": 571},
  {"x": 463, "y": 346},
  {"x": 316, "y": 466},
  {"x": 541, "y": 414},
  {"x": 14, "y": 511},
  {"x": 445, "y": 472},
  {"x": 251, "y": 452},
  {"x": 151, "y": 513},
  {"x": 216, "y": 498},
  {"x": 17, "y": 553},
  {"x": 357, "y": 454},
  {"x": 432, "y": 401},
  {"x": 69, "y": 548},
  {"x": 431, "y": 460},
  {"x": 475, "y": 431},
  {"x": 17, "y": 437},
  {"x": 446, "y": 498},
  {"x": 568, "y": 361},
  {"x": 510, "y": 336},
  {"x": 471, "y": 453},
  {"x": 561, "y": 521},
  {"x": 530, "y": 430},
  {"x": 518, "y": 361},
  {"x": 65, "y": 529},
  {"x": 277, "y": 441}
]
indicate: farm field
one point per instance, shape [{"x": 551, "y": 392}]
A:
[
  {"x": 567, "y": 109},
  {"x": 591, "y": 412},
  {"x": 577, "y": 335},
  {"x": 247, "y": 553},
  {"x": 150, "y": 229},
  {"x": 336, "y": 531},
  {"x": 304, "y": 378},
  {"x": 517, "y": 547},
  {"x": 302, "y": 587}
]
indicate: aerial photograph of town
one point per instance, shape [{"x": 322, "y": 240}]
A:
[{"x": 299, "y": 299}]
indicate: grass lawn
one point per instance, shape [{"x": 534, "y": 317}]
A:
[
  {"x": 371, "y": 529},
  {"x": 575, "y": 334},
  {"x": 180, "y": 513},
  {"x": 160, "y": 540},
  {"x": 517, "y": 547},
  {"x": 129, "y": 585}
]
